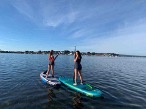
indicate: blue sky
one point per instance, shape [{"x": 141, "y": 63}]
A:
[{"x": 115, "y": 26}]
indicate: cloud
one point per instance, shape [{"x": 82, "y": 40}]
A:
[
  {"x": 56, "y": 18},
  {"x": 99, "y": 26},
  {"x": 46, "y": 13},
  {"x": 53, "y": 14},
  {"x": 24, "y": 8},
  {"x": 130, "y": 38},
  {"x": 59, "y": 19}
]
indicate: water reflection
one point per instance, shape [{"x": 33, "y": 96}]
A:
[
  {"x": 77, "y": 101},
  {"x": 51, "y": 94}
]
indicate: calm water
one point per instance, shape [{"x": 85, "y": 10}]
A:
[{"x": 122, "y": 80}]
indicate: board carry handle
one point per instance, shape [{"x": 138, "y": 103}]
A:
[{"x": 89, "y": 86}]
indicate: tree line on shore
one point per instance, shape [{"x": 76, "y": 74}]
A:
[{"x": 67, "y": 52}]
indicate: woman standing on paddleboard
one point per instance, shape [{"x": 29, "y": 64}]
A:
[
  {"x": 77, "y": 67},
  {"x": 51, "y": 64}
]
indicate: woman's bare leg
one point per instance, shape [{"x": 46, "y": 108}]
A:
[
  {"x": 81, "y": 77},
  {"x": 75, "y": 76},
  {"x": 48, "y": 71},
  {"x": 52, "y": 68}
]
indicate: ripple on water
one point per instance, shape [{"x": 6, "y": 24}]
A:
[{"x": 122, "y": 81}]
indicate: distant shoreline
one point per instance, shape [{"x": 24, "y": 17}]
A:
[{"x": 66, "y": 52}]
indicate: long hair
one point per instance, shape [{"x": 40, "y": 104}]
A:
[
  {"x": 51, "y": 53},
  {"x": 79, "y": 54},
  {"x": 74, "y": 55}
]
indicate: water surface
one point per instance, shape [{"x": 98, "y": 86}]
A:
[{"x": 121, "y": 79}]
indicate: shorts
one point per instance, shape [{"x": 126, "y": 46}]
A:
[
  {"x": 78, "y": 66},
  {"x": 51, "y": 63}
]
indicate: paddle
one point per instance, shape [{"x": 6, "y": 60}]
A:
[{"x": 56, "y": 56}]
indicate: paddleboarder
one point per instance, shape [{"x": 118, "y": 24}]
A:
[
  {"x": 51, "y": 64},
  {"x": 77, "y": 67}
]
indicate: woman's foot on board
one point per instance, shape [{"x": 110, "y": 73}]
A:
[
  {"x": 74, "y": 84},
  {"x": 46, "y": 75}
]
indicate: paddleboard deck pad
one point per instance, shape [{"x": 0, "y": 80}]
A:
[
  {"x": 49, "y": 80},
  {"x": 85, "y": 89}
]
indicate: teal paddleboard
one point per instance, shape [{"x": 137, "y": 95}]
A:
[{"x": 85, "y": 89}]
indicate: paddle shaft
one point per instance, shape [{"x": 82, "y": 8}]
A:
[{"x": 56, "y": 56}]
